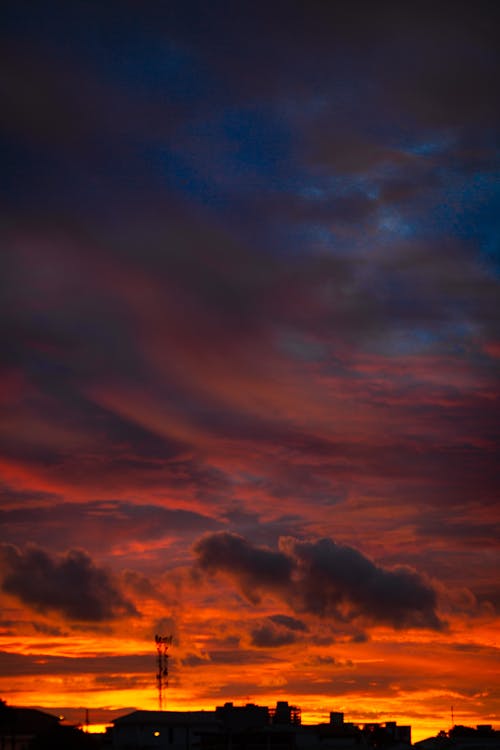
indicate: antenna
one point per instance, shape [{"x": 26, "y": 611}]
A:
[{"x": 162, "y": 644}]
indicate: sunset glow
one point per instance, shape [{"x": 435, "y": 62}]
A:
[{"x": 250, "y": 359}]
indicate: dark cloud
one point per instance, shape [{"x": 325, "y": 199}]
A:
[
  {"x": 339, "y": 581},
  {"x": 291, "y": 623},
  {"x": 240, "y": 657},
  {"x": 193, "y": 660},
  {"x": 268, "y": 636},
  {"x": 250, "y": 524},
  {"x": 70, "y": 584},
  {"x": 277, "y": 630},
  {"x": 324, "y": 579},
  {"x": 41, "y": 627},
  {"x": 12, "y": 497},
  {"x": 46, "y": 664},
  {"x": 10, "y": 627},
  {"x": 255, "y": 568},
  {"x": 467, "y": 529},
  {"x": 95, "y": 523},
  {"x": 141, "y": 586}
]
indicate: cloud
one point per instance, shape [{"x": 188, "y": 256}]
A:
[
  {"x": 239, "y": 656},
  {"x": 289, "y": 622},
  {"x": 70, "y": 584},
  {"x": 324, "y": 579},
  {"x": 277, "y": 630},
  {"x": 256, "y": 568},
  {"x": 97, "y": 523},
  {"x": 50, "y": 664},
  {"x": 339, "y": 580},
  {"x": 268, "y": 636}
]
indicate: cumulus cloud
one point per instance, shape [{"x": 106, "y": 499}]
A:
[
  {"x": 256, "y": 568},
  {"x": 71, "y": 584},
  {"x": 277, "y": 630},
  {"x": 339, "y": 580},
  {"x": 323, "y": 579},
  {"x": 268, "y": 636},
  {"x": 289, "y": 622}
]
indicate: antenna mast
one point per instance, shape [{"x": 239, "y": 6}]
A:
[{"x": 162, "y": 644}]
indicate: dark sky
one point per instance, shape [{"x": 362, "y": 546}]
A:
[{"x": 250, "y": 348}]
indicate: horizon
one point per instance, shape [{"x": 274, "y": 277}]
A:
[{"x": 318, "y": 718}]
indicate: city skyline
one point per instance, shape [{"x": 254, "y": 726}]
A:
[
  {"x": 250, "y": 357},
  {"x": 230, "y": 724}
]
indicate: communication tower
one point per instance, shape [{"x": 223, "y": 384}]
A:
[{"x": 162, "y": 644}]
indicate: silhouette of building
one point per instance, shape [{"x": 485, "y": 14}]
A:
[
  {"x": 482, "y": 737},
  {"x": 175, "y": 730},
  {"x": 250, "y": 727},
  {"x": 243, "y": 717},
  {"x": 388, "y": 734},
  {"x": 19, "y": 726},
  {"x": 286, "y": 714}
]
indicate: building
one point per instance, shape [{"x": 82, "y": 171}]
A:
[
  {"x": 173, "y": 730},
  {"x": 19, "y": 726},
  {"x": 388, "y": 734},
  {"x": 482, "y": 737},
  {"x": 250, "y": 727}
]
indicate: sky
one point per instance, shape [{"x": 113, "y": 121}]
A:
[{"x": 250, "y": 357}]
